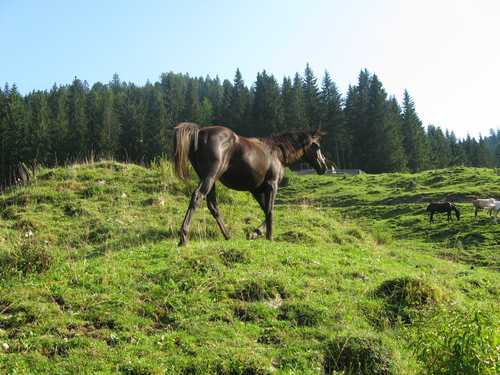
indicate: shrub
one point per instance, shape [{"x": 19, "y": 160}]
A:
[
  {"x": 258, "y": 289},
  {"x": 232, "y": 256},
  {"x": 405, "y": 296},
  {"x": 381, "y": 235},
  {"x": 301, "y": 314},
  {"x": 252, "y": 312},
  {"x": 358, "y": 355},
  {"x": 457, "y": 343},
  {"x": 27, "y": 257},
  {"x": 296, "y": 237}
]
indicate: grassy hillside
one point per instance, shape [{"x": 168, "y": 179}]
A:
[
  {"x": 396, "y": 202},
  {"x": 356, "y": 280}
]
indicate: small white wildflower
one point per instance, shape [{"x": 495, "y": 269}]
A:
[
  {"x": 5, "y": 346},
  {"x": 29, "y": 233},
  {"x": 101, "y": 182},
  {"x": 124, "y": 195}
]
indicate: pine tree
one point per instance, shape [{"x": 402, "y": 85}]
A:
[
  {"x": 297, "y": 110},
  {"x": 15, "y": 126},
  {"x": 130, "y": 110},
  {"x": 3, "y": 133},
  {"x": 58, "y": 131},
  {"x": 173, "y": 88},
  {"x": 356, "y": 119},
  {"x": 109, "y": 132},
  {"x": 77, "y": 120},
  {"x": 239, "y": 105},
  {"x": 439, "y": 148},
  {"x": 36, "y": 136},
  {"x": 206, "y": 113},
  {"x": 413, "y": 136},
  {"x": 214, "y": 93},
  {"x": 191, "y": 111},
  {"x": 267, "y": 111},
  {"x": 311, "y": 99},
  {"x": 225, "y": 110},
  {"x": 497, "y": 155},
  {"x": 336, "y": 140},
  {"x": 392, "y": 146}
]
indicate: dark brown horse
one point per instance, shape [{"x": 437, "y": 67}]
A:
[
  {"x": 249, "y": 164},
  {"x": 442, "y": 207}
]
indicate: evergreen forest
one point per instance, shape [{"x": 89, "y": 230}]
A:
[{"x": 367, "y": 128}]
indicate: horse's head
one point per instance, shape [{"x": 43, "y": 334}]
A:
[{"x": 313, "y": 154}]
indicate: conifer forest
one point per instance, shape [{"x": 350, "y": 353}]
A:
[{"x": 367, "y": 128}]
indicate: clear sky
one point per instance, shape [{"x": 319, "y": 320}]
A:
[{"x": 445, "y": 52}]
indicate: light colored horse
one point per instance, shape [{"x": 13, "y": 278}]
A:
[
  {"x": 495, "y": 208},
  {"x": 486, "y": 204}
]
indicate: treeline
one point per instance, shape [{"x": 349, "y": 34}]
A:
[{"x": 366, "y": 127}]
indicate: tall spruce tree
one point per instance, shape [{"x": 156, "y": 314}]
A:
[
  {"x": 414, "y": 139},
  {"x": 311, "y": 99},
  {"x": 336, "y": 139},
  {"x": 239, "y": 105},
  {"x": 267, "y": 111},
  {"x": 77, "y": 120},
  {"x": 439, "y": 148},
  {"x": 392, "y": 144},
  {"x": 356, "y": 119}
]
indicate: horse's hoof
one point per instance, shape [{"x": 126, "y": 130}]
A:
[{"x": 182, "y": 243}]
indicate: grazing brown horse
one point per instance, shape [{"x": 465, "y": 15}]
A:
[
  {"x": 249, "y": 164},
  {"x": 442, "y": 207}
]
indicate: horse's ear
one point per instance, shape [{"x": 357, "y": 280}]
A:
[{"x": 318, "y": 133}]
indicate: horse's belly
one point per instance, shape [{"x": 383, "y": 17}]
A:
[{"x": 242, "y": 179}]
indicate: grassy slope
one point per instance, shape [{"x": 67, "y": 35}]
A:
[
  {"x": 92, "y": 280},
  {"x": 396, "y": 202}
]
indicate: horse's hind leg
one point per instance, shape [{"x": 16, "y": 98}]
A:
[
  {"x": 199, "y": 194},
  {"x": 214, "y": 210}
]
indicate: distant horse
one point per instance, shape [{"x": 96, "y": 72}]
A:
[
  {"x": 495, "y": 208},
  {"x": 483, "y": 204},
  {"x": 442, "y": 207},
  {"x": 256, "y": 165}
]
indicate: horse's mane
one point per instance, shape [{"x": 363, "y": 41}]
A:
[{"x": 291, "y": 143}]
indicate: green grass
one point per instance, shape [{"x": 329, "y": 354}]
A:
[{"x": 356, "y": 280}]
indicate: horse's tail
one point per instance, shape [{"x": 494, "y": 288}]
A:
[{"x": 186, "y": 134}]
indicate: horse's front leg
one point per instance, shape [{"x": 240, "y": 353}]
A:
[
  {"x": 198, "y": 195},
  {"x": 260, "y": 198}
]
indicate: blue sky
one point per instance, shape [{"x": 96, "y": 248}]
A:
[{"x": 444, "y": 52}]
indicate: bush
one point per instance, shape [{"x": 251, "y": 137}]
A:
[
  {"x": 358, "y": 355},
  {"x": 26, "y": 257},
  {"x": 296, "y": 237},
  {"x": 258, "y": 289},
  {"x": 457, "y": 343},
  {"x": 301, "y": 314},
  {"x": 405, "y": 296},
  {"x": 232, "y": 256}
]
